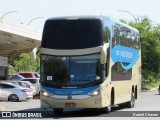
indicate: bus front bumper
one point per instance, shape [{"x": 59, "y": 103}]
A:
[{"x": 73, "y": 102}]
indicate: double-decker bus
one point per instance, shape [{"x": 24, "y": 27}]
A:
[{"x": 89, "y": 62}]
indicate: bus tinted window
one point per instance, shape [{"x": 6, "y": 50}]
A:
[
  {"x": 72, "y": 34},
  {"x": 125, "y": 37},
  {"x": 118, "y": 73}
]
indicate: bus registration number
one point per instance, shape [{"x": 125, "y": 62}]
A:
[{"x": 70, "y": 104}]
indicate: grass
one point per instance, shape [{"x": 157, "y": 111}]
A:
[{"x": 150, "y": 84}]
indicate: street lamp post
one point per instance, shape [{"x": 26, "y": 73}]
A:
[
  {"x": 6, "y": 14},
  {"x": 33, "y": 20},
  {"x": 129, "y": 13}
]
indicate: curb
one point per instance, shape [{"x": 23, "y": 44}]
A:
[{"x": 149, "y": 89}]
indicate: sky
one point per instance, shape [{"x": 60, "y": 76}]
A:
[{"x": 40, "y": 10}]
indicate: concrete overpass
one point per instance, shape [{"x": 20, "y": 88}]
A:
[{"x": 17, "y": 38}]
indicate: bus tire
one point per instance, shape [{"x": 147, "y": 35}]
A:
[
  {"x": 58, "y": 111},
  {"x": 131, "y": 103},
  {"x": 106, "y": 109},
  {"x": 109, "y": 108}
]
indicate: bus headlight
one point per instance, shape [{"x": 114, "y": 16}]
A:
[
  {"x": 45, "y": 93},
  {"x": 94, "y": 93}
]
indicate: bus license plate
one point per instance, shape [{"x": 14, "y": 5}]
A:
[{"x": 70, "y": 104}]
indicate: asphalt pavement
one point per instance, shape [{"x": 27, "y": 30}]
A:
[{"x": 149, "y": 101}]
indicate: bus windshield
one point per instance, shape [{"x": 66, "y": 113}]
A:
[{"x": 77, "y": 71}]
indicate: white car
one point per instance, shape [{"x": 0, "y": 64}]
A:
[
  {"x": 14, "y": 93},
  {"x": 26, "y": 84},
  {"x": 35, "y": 82},
  {"x": 15, "y": 77}
]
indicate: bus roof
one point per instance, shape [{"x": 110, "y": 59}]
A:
[
  {"x": 75, "y": 17},
  {"x": 100, "y": 17}
]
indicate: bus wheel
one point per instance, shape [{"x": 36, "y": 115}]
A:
[
  {"x": 58, "y": 111},
  {"x": 109, "y": 108},
  {"x": 131, "y": 103},
  {"x": 106, "y": 109}
]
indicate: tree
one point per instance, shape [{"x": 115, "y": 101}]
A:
[
  {"x": 24, "y": 63},
  {"x": 150, "y": 48}
]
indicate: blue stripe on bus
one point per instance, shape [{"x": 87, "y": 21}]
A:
[
  {"x": 71, "y": 91},
  {"x": 124, "y": 54}
]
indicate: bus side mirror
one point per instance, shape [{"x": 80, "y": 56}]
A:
[
  {"x": 33, "y": 55},
  {"x": 104, "y": 53}
]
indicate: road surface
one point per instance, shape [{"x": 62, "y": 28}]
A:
[{"x": 149, "y": 101}]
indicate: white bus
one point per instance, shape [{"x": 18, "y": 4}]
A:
[{"x": 89, "y": 62}]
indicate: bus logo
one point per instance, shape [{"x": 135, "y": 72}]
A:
[
  {"x": 69, "y": 97},
  {"x": 124, "y": 54}
]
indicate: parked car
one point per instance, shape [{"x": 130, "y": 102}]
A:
[
  {"x": 15, "y": 77},
  {"x": 30, "y": 74},
  {"x": 159, "y": 89},
  {"x": 4, "y": 94},
  {"x": 35, "y": 82},
  {"x": 14, "y": 93},
  {"x": 26, "y": 84}
]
